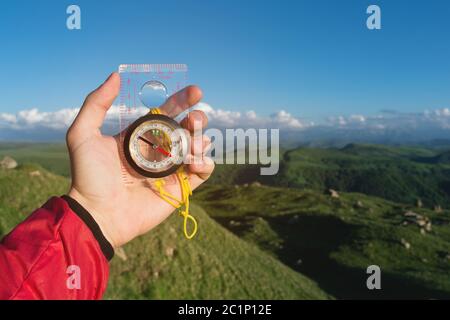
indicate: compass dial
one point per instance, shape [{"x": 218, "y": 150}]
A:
[{"x": 155, "y": 145}]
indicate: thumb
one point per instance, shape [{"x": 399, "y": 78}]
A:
[{"x": 93, "y": 112}]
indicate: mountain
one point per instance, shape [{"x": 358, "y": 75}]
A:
[
  {"x": 163, "y": 264},
  {"x": 334, "y": 239},
  {"x": 328, "y": 136},
  {"x": 402, "y": 174},
  {"x": 443, "y": 158},
  {"x": 398, "y": 173}
]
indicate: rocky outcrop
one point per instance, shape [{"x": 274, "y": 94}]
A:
[
  {"x": 35, "y": 173},
  {"x": 424, "y": 223},
  {"x": 419, "y": 203},
  {"x": 333, "y": 193},
  {"x": 405, "y": 243},
  {"x": 170, "y": 251},
  {"x": 8, "y": 163}
]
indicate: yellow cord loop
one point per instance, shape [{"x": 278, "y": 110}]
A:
[
  {"x": 186, "y": 192},
  {"x": 155, "y": 111}
]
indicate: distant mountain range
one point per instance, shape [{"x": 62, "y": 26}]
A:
[
  {"x": 403, "y": 174},
  {"x": 323, "y": 136}
]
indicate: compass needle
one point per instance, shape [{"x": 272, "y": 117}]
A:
[
  {"x": 163, "y": 151},
  {"x": 156, "y": 147},
  {"x": 146, "y": 141}
]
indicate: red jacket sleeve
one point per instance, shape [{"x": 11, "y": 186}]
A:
[{"x": 58, "y": 252}]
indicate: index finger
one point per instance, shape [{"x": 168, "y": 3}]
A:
[{"x": 181, "y": 100}]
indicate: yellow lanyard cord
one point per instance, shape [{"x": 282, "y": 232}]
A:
[{"x": 186, "y": 192}]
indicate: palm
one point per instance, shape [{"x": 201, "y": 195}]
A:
[{"x": 124, "y": 204}]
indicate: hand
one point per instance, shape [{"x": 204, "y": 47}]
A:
[{"x": 124, "y": 211}]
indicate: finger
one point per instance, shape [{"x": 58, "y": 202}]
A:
[
  {"x": 93, "y": 112},
  {"x": 199, "y": 145},
  {"x": 200, "y": 171},
  {"x": 195, "y": 122},
  {"x": 181, "y": 101},
  {"x": 207, "y": 145}
]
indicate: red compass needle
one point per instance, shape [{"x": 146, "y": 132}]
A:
[
  {"x": 156, "y": 147},
  {"x": 163, "y": 151}
]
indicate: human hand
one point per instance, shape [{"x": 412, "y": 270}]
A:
[{"x": 124, "y": 211}]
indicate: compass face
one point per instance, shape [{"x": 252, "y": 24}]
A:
[{"x": 155, "y": 145}]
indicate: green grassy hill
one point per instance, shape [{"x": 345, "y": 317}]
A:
[
  {"x": 22, "y": 191},
  {"x": 51, "y": 156},
  {"x": 401, "y": 174},
  {"x": 164, "y": 265},
  {"x": 214, "y": 265},
  {"x": 333, "y": 240}
]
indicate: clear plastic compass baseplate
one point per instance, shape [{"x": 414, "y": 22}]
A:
[{"x": 147, "y": 86}]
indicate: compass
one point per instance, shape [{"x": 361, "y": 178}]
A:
[{"x": 155, "y": 145}]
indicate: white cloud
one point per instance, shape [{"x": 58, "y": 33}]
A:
[
  {"x": 56, "y": 120},
  {"x": 286, "y": 120},
  {"x": 8, "y": 118},
  {"x": 33, "y": 118},
  {"x": 441, "y": 112},
  {"x": 357, "y": 118},
  {"x": 33, "y": 123},
  {"x": 250, "y": 119},
  {"x": 437, "y": 119}
]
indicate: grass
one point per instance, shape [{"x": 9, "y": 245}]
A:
[
  {"x": 321, "y": 237},
  {"x": 21, "y": 193},
  {"x": 401, "y": 174},
  {"x": 51, "y": 156},
  {"x": 215, "y": 265}
]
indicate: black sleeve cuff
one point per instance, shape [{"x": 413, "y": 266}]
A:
[{"x": 84, "y": 215}]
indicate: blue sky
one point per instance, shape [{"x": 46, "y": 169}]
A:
[{"x": 310, "y": 58}]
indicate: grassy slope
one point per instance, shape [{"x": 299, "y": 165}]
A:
[
  {"x": 51, "y": 156},
  {"x": 217, "y": 264},
  {"x": 401, "y": 174},
  {"x": 21, "y": 193},
  {"x": 336, "y": 240}
]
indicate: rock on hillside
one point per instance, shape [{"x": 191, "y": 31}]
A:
[{"x": 8, "y": 163}]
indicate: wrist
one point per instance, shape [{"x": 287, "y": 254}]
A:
[{"x": 94, "y": 214}]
